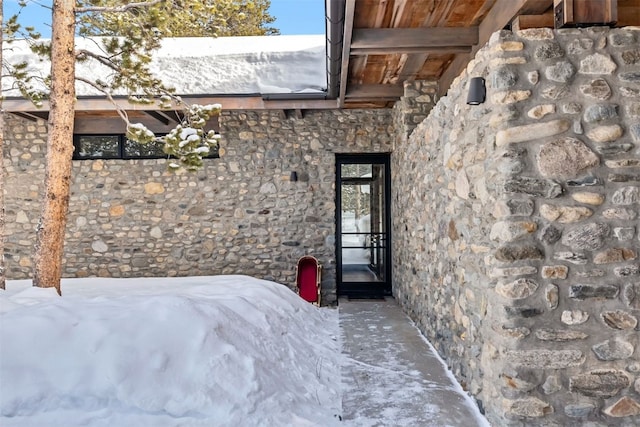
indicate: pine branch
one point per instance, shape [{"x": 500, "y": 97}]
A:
[
  {"x": 83, "y": 53},
  {"x": 121, "y": 112},
  {"x": 112, "y": 9}
]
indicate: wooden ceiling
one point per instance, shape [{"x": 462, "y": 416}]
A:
[{"x": 387, "y": 42}]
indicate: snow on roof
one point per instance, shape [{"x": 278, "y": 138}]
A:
[{"x": 210, "y": 66}]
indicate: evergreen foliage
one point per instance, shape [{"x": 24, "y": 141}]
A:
[
  {"x": 133, "y": 31},
  {"x": 126, "y": 34},
  {"x": 180, "y": 18}
]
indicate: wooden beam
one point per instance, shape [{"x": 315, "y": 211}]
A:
[
  {"x": 412, "y": 67},
  {"x": 410, "y": 50},
  {"x": 112, "y": 123},
  {"x": 370, "y": 104},
  {"x": 379, "y": 19},
  {"x": 286, "y": 104},
  {"x": 571, "y": 13},
  {"x": 349, "y": 12},
  {"x": 374, "y": 91},
  {"x": 524, "y": 22},
  {"x": 628, "y": 13},
  {"x": 33, "y": 116},
  {"x": 228, "y": 103},
  {"x": 160, "y": 116},
  {"x": 401, "y": 38},
  {"x": 502, "y": 12},
  {"x": 454, "y": 69}
]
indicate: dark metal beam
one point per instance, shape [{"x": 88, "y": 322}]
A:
[
  {"x": 334, "y": 15},
  {"x": 349, "y": 13},
  {"x": 402, "y": 38}
]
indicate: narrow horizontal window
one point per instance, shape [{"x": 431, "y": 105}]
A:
[
  {"x": 97, "y": 147},
  {"x": 152, "y": 150},
  {"x": 88, "y": 147}
]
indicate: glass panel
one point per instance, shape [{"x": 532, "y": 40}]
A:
[
  {"x": 355, "y": 171},
  {"x": 363, "y": 223},
  {"x": 153, "y": 150},
  {"x": 355, "y": 224},
  {"x": 378, "y": 222},
  {"x": 98, "y": 146},
  {"x": 135, "y": 149}
]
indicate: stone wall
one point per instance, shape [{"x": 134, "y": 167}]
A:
[
  {"x": 515, "y": 222},
  {"x": 239, "y": 215},
  {"x": 516, "y": 228},
  {"x": 414, "y": 106}
]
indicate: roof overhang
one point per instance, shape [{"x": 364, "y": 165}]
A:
[{"x": 374, "y": 46}]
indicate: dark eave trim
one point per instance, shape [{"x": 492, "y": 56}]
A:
[{"x": 302, "y": 101}]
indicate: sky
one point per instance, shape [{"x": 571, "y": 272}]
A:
[{"x": 293, "y": 17}]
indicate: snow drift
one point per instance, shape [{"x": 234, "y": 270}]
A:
[{"x": 197, "y": 351}]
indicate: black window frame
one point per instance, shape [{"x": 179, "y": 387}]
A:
[{"x": 121, "y": 140}]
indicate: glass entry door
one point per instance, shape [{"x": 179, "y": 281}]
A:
[{"x": 363, "y": 223}]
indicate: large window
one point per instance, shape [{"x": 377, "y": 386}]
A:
[{"x": 117, "y": 147}]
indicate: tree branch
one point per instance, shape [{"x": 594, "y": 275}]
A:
[
  {"x": 122, "y": 113},
  {"x": 111, "y": 9},
  {"x": 101, "y": 59}
]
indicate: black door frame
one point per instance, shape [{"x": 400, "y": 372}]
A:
[{"x": 364, "y": 289}]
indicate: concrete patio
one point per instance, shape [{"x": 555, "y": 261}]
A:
[{"x": 392, "y": 376}]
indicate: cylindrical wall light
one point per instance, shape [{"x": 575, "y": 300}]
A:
[{"x": 477, "y": 91}]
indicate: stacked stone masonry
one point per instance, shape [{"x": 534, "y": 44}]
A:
[
  {"x": 239, "y": 215},
  {"x": 515, "y": 222},
  {"x": 516, "y": 244}
]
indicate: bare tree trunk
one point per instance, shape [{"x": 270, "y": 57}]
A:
[
  {"x": 2, "y": 174},
  {"x": 2, "y": 178},
  {"x": 53, "y": 217}
]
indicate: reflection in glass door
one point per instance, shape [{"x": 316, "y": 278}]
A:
[{"x": 363, "y": 225}]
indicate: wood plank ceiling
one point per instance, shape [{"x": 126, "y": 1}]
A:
[{"x": 387, "y": 42}]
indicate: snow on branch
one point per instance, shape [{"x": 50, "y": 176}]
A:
[{"x": 189, "y": 142}]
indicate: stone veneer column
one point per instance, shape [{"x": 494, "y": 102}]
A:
[
  {"x": 516, "y": 240},
  {"x": 414, "y": 106}
]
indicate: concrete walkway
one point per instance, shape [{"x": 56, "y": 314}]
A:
[{"x": 392, "y": 377}]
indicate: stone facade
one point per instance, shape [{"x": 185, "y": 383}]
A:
[
  {"x": 239, "y": 215},
  {"x": 516, "y": 228},
  {"x": 515, "y": 222}
]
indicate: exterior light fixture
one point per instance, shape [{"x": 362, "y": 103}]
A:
[
  {"x": 477, "y": 91},
  {"x": 293, "y": 177}
]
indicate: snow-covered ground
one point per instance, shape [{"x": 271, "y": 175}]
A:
[
  {"x": 354, "y": 249},
  {"x": 218, "y": 351},
  {"x": 196, "y": 351}
]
